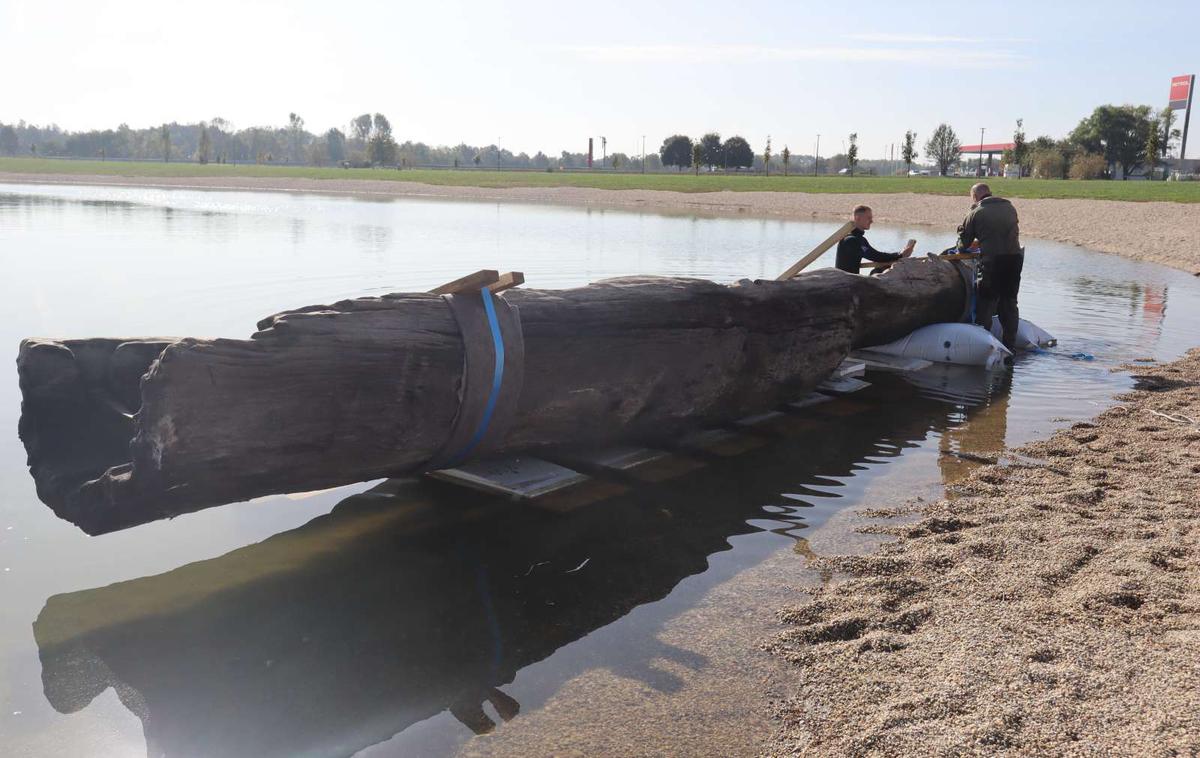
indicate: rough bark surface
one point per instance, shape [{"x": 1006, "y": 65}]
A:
[{"x": 369, "y": 388}]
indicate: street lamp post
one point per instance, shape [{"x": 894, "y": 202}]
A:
[
  {"x": 817, "y": 160},
  {"x": 643, "y": 153},
  {"x": 979, "y": 172}
]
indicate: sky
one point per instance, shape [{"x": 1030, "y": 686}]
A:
[{"x": 545, "y": 75}]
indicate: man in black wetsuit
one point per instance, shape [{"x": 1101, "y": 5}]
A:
[
  {"x": 993, "y": 223},
  {"x": 854, "y": 246}
]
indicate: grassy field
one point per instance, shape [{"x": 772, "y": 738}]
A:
[{"x": 1183, "y": 192}]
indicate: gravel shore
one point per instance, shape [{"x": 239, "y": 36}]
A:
[
  {"x": 1050, "y": 605},
  {"x": 1166, "y": 233}
]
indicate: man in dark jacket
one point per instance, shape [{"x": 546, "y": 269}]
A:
[
  {"x": 992, "y": 223},
  {"x": 854, "y": 246}
]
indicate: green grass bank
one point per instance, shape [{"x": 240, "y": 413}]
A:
[{"x": 1180, "y": 192}]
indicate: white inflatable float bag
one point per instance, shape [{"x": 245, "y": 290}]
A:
[
  {"x": 964, "y": 344},
  {"x": 1029, "y": 334}
]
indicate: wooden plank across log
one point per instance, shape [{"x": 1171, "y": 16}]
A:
[
  {"x": 371, "y": 387},
  {"x": 469, "y": 283}
]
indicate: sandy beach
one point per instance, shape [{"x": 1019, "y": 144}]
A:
[
  {"x": 1049, "y": 605},
  {"x": 1165, "y": 233}
]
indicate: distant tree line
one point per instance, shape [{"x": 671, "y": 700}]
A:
[
  {"x": 367, "y": 140},
  {"x": 1115, "y": 140}
]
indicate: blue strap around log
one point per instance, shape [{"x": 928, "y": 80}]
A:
[
  {"x": 493, "y": 373},
  {"x": 497, "y": 379},
  {"x": 966, "y": 270}
]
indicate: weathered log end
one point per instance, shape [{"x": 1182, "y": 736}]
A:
[{"x": 79, "y": 400}]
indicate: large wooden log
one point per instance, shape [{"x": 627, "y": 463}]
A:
[{"x": 369, "y": 388}]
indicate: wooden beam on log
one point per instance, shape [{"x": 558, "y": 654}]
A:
[
  {"x": 469, "y": 283},
  {"x": 507, "y": 281},
  {"x": 369, "y": 388},
  {"x": 817, "y": 251}
]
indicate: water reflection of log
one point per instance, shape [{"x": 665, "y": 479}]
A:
[
  {"x": 414, "y": 598},
  {"x": 376, "y": 387},
  {"x": 979, "y": 438},
  {"x": 966, "y": 386}
]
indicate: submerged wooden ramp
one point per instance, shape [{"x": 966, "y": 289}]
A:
[{"x": 121, "y": 432}]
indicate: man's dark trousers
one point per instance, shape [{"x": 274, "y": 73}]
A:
[{"x": 999, "y": 282}]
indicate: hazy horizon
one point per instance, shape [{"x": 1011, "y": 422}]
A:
[{"x": 537, "y": 76}]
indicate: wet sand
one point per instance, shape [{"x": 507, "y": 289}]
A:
[
  {"x": 1165, "y": 233},
  {"x": 1049, "y": 605}
]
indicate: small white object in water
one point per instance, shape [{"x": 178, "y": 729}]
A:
[{"x": 572, "y": 571}]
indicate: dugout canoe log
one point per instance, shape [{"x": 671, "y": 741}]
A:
[{"x": 124, "y": 431}]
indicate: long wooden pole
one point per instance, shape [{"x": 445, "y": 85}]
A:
[{"x": 817, "y": 251}]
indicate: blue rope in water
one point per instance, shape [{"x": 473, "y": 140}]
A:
[{"x": 497, "y": 380}]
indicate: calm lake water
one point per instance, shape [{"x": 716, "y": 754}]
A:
[{"x": 403, "y": 617}]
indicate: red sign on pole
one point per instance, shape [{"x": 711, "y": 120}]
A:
[{"x": 1181, "y": 89}]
